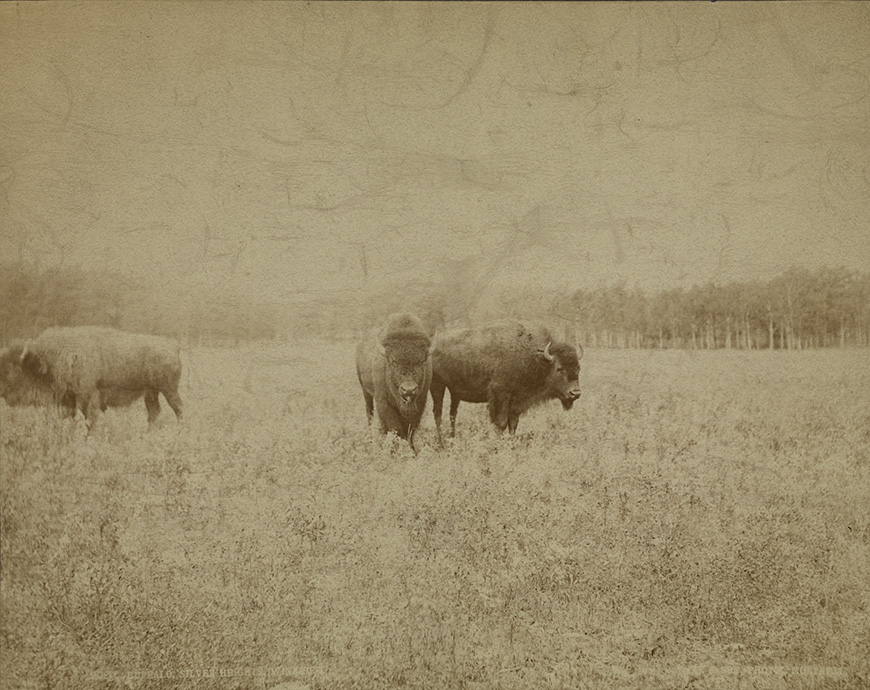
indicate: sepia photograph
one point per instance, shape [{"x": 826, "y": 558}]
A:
[{"x": 464, "y": 345}]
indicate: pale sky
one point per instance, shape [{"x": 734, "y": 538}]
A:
[{"x": 270, "y": 146}]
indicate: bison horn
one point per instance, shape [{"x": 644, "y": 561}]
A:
[
  {"x": 547, "y": 354},
  {"x": 23, "y": 354}
]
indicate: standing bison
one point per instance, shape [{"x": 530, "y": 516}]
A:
[
  {"x": 89, "y": 368},
  {"x": 395, "y": 370},
  {"x": 509, "y": 365}
]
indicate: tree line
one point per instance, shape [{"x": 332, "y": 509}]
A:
[{"x": 795, "y": 310}]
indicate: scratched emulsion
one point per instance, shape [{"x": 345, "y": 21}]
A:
[
  {"x": 290, "y": 148},
  {"x": 680, "y": 190}
]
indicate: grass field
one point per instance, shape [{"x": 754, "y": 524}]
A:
[{"x": 698, "y": 520}]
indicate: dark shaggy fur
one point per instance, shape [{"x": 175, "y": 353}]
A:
[
  {"x": 89, "y": 368},
  {"x": 394, "y": 369},
  {"x": 503, "y": 364}
]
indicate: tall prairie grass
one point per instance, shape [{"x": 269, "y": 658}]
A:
[{"x": 697, "y": 520}]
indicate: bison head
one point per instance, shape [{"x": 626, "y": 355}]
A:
[
  {"x": 563, "y": 380},
  {"x": 18, "y": 384},
  {"x": 407, "y": 370},
  {"x": 10, "y": 370},
  {"x": 32, "y": 362}
]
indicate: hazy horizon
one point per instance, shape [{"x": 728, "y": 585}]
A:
[{"x": 279, "y": 148}]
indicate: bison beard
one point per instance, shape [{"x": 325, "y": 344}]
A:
[
  {"x": 508, "y": 365},
  {"x": 394, "y": 371},
  {"x": 89, "y": 368}
]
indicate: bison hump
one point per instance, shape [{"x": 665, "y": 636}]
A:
[{"x": 404, "y": 328}]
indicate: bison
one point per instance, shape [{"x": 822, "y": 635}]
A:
[
  {"x": 89, "y": 369},
  {"x": 508, "y": 365},
  {"x": 395, "y": 370}
]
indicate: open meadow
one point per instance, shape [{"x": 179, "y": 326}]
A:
[{"x": 698, "y": 520}]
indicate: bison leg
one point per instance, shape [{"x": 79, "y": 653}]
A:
[
  {"x": 391, "y": 420},
  {"x": 454, "y": 406},
  {"x": 498, "y": 410},
  {"x": 411, "y": 429},
  {"x": 152, "y": 404},
  {"x": 67, "y": 404},
  {"x": 512, "y": 421},
  {"x": 370, "y": 406},
  {"x": 89, "y": 406},
  {"x": 174, "y": 400},
  {"x": 437, "y": 390}
]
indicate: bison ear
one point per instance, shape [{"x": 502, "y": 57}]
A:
[{"x": 31, "y": 362}]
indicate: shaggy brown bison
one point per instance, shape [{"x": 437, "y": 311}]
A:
[
  {"x": 507, "y": 364},
  {"x": 394, "y": 370},
  {"x": 89, "y": 368}
]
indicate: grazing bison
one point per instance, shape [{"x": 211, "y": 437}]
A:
[
  {"x": 394, "y": 370},
  {"x": 89, "y": 368},
  {"x": 507, "y": 364}
]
